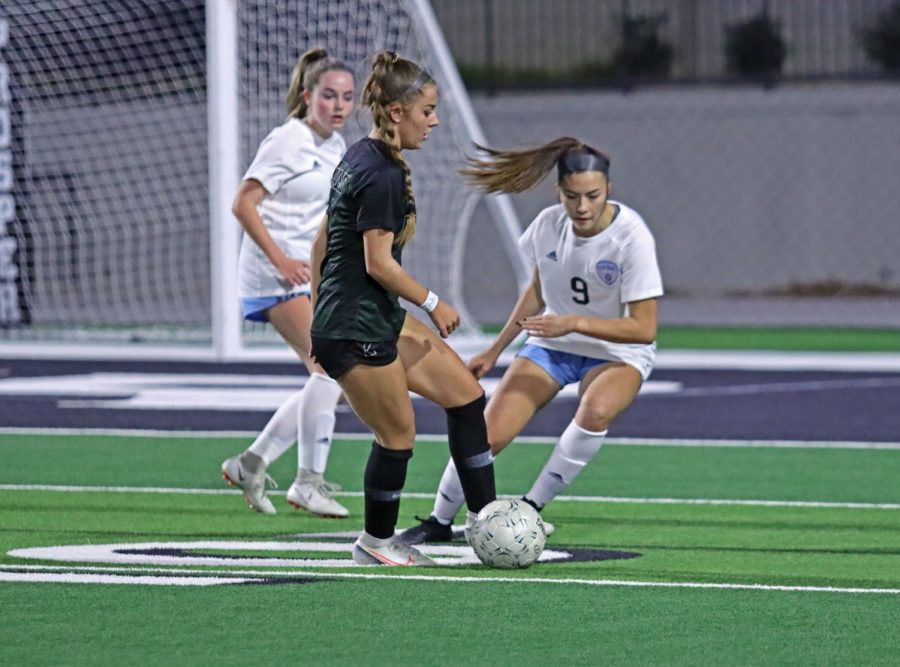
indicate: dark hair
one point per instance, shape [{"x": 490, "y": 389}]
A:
[
  {"x": 395, "y": 79},
  {"x": 305, "y": 76},
  {"x": 518, "y": 170}
]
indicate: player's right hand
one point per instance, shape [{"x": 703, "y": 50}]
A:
[
  {"x": 294, "y": 271},
  {"x": 482, "y": 363},
  {"x": 445, "y": 318}
]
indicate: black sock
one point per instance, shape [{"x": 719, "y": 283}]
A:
[
  {"x": 384, "y": 478},
  {"x": 471, "y": 453}
]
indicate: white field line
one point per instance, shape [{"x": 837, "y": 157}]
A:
[
  {"x": 430, "y": 496},
  {"x": 460, "y": 579},
  {"x": 133, "y": 580},
  {"x": 442, "y": 438}
]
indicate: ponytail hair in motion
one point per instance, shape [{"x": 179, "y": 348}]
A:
[
  {"x": 395, "y": 79},
  {"x": 519, "y": 170},
  {"x": 305, "y": 76}
]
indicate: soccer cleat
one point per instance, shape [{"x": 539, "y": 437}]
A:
[
  {"x": 548, "y": 527},
  {"x": 252, "y": 484},
  {"x": 368, "y": 550},
  {"x": 313, "y": 494},
  {"x": 428, "y": 530}
]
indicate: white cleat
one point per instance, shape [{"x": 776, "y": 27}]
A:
[
  {"x": 313, "y": 494},
  {"x": 368, "y": 550},
  {"x": 252, "y": 484},
  {"x": 548, "y": 528}
]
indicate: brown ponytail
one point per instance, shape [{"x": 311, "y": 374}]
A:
[
  {"x": 519, "y": 170},
  {"x": 395, "y": 79},
  {"x": 305, "y": 76}
]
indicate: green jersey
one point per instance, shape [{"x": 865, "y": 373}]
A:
[{"x": 367, "y": 192}]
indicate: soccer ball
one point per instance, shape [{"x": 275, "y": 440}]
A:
[{"x": 508, "y": 534}]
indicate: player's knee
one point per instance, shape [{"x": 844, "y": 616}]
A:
[
  {"x": 594, "y": 418},
  {"x": 497, "y": 440},
  {"x": 469, "y": 393},
  {"x": 407, "y": 437},
  {"x": 398, "y": 436}
]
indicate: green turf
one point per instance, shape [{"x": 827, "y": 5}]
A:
[
  {"x": 344, "y": 621},
  {"x": 785, "y": 339},
  {"x": 679, "y": 472},
  {"x": 333, "y": 623}
]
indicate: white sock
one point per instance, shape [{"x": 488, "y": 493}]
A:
[
  {"x": 280, "y": 433},
  {"x": 574, "y": 450},
  {"x": 315, "y": 421},
  {"x": 450, "y": 496}
]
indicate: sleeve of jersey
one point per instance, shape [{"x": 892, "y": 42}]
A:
[
  {"x": 277, "y": 160},
  {"x": 527, "y": 240},
  {"x": 641, "y": 278},
  {"x": 379, "y": 196}
]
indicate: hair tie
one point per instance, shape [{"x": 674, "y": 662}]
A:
[{"x": 421, "y": 81}]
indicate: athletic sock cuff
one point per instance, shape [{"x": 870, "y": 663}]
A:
[
  {"x": 398, "y": 454},
  {"x": 593, "y": 434},
  {"x": 476, "y": 407}
]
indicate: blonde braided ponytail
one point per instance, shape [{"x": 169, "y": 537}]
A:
[{"x": 394, "y": 79}]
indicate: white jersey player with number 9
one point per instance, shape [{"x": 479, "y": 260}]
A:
[{"x": 590, "y": 312}]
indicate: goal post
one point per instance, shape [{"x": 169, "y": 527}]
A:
[
  {"x": 131, "y": 124},
  {"x": 500, "y": 205},
  {"x": 224, "y": 174}
]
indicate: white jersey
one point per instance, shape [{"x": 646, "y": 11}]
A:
[
  {"x": 295, "y": 166},
  {"x": 596, "y": 276}
]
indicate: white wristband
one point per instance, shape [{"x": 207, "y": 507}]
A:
[{"x": 430, "y": 302}]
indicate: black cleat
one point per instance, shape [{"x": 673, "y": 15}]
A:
[
  {"x": 428, "y": 530},
  {"x": 533, "y": 504}
]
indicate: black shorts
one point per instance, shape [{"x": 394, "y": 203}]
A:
[{"x": 339, "y": 356}]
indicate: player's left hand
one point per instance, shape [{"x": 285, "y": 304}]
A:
[
  {"x": 294, "y": 271},
  {"x": 548, "y": 326},
  {"x": 445, "y": 318}
]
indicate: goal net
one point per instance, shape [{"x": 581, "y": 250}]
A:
[
  {"x": 105, "y": 214},
  {"x": 271, "y": 35}
]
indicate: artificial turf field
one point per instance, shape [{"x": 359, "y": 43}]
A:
[{"x": 806, "y": 572}]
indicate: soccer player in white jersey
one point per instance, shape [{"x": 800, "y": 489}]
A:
[
  {"x": 590, "y": 312},
  {"x": 280, "y": 203}
]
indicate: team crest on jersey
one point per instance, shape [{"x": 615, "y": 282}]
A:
[{"x": 607, "y": 271}]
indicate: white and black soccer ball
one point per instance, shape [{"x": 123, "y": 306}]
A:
[{"x": 508, "y": 534}]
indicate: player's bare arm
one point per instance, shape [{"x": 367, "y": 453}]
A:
[
  {"x": 249, "y": 195},
  {"x": 317, "y": 254},
  {"x": 639, "y": 327},
  {"x": 530, "y": 303},
  {"x": 381, "y": 265}
]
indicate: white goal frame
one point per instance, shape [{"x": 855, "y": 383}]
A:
[
  {"x": 227, "y": 339},
  {"x": 227, "y": 330}
]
